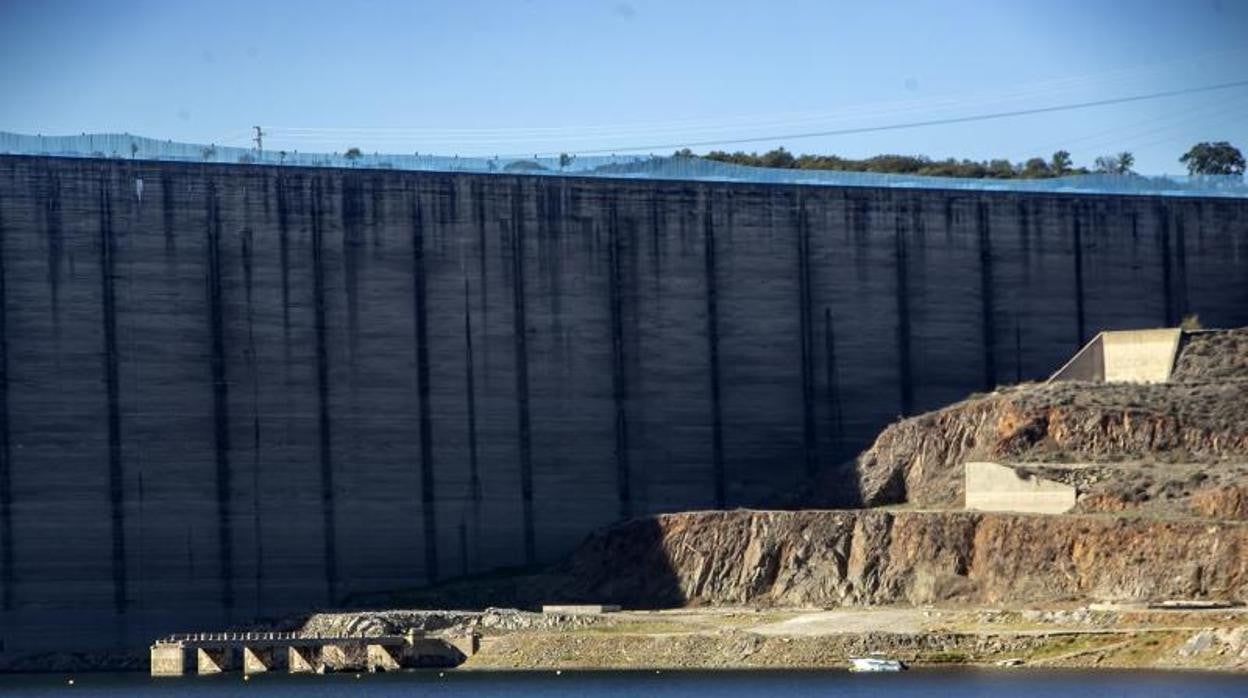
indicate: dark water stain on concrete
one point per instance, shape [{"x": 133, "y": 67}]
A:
[
  {"x": 710, "y": 279},
  {"x": 7, "y": 575},
  {"x": 520, "y": 332},
  {"x": 619, "y": 379},
  {"x": 428, "y": 496},
  {"x": 116, "y": 475},
  {"x": 220, "y": 401},
  {"x": 329, "y": 519}
]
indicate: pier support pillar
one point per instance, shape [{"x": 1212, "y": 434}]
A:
[
  {"x": 257, "y": 660},
  {"x": 168, "y": 660},
  {"x": 214, "y": 661},
  {"x": 336, "y": 657},
  {"x": 303, "y": 659},
  {"x": 467, "y": 644},
  {"x": 382, "y": 658}
]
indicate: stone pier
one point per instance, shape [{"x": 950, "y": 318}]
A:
[
  {"x": 214, "y": 660},
  {"x": 257, "y": 660},
  {"x": 301, "y": 659}
]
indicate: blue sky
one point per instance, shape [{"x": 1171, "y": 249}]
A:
[{"x": 538, "y": 76}]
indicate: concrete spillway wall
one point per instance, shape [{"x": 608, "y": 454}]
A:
[{"x": 233, "y": 391}]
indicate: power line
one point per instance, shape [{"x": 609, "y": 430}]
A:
[
  {"x": 1120, "y": 134},
  {"x": 669, "y": 129},
  {"x": 920, "y": 124}
]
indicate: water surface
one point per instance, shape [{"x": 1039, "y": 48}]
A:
[{"x": 963, "y": 683}]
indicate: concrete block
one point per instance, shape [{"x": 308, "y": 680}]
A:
[
  {"x": 303, "y": 660},
  {"x": 1140, "y": 356},
  {"x": 168, "y": 660},
  {"x": 257, "y": 660},
  {"x": 1126, "y": 356},
  {"x": 581, "y": 609},
  {"x": 383, "y": 658},
  {"x": 214, "y": 660},
  {"x": 996, "y": 487},
  {"x": 1088, "y": 364}
]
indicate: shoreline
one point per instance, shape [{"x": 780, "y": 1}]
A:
[
  {"x": 750, "y": 638},
  {"x": 638, "y": 669}
]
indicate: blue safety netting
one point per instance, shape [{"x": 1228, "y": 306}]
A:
[{"x": 126, "y": 146}]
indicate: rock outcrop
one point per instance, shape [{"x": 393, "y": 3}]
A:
[
  {"x": 1195, "y": 426},
  {"x": 835, "y": 558},
  {"x": 1212, "y": 355},
  {"x": 918, "y": 460},
  {"x": 1227, "y": 502}
]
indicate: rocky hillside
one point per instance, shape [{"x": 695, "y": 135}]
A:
[
  {"x": 833, "y": 558},
  {"x": 1212, "y": 355},
  {"x": 1197, "y": 419}
]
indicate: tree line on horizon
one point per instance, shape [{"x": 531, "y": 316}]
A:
[{"x": 1208, "y": 158}]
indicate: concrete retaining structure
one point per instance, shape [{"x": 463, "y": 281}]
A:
[
  {"x": 996, "y": 487},
  {"x": 1140, "y": 356},
  {"x": 1125, "y": 356},
  {"x": 254, "y": 391},
  {"x": 586, "y": 609}
]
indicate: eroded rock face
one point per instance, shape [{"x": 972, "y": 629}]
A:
[
  {"x": 1212, "y": 355},
  {"x": 918, "y": 460},
  {"x": 1228, "y": 502},
  {"x": 833, "y": 558}
]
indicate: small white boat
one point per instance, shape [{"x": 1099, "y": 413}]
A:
[{"x": 874, "y": 664}]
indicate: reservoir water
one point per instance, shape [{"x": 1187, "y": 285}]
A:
[{"x": 962, "y": 683}]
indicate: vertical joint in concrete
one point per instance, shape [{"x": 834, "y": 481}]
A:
[
  {"x": 1080, "y": 330},
  {"x": 520, "y": 338},
  {"x": 619, "y": 381},
  {"x": 712, "y": 350},
  {"x": 112, "y": 384},
  {"x": 806, "y": 337},
  {"x": 988, "y": 328},
  {"x": 329, "y": 522},
  {"x": 900, "y": 264},
  {"x": 428, "y": 496},
  {"x": 7, "y": 576},
  {"x": 220, "y": 400},
  {"x": 832, "y": 390}
]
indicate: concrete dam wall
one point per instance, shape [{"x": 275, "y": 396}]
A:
[{"x": 234, "y": 391}]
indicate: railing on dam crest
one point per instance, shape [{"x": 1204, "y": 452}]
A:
[{"x": 126, "y": 146}]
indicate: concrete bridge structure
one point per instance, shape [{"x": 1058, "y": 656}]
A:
[
  {"x": 298, "y": 653},
  {"x": 239, "y": 391}
]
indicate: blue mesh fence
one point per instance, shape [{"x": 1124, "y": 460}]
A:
[{"x": 125, "y": 146}]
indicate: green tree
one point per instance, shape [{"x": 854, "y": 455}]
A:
[
  {"x": 1036, "y": 168},
  {"x": 565, "y": 160},
  {"x": 1115, "y": 164},
  {"x": 1126, "y": 161},
  {"x": 1060, "y": 164},
  {"x": 1000, "y": 169},
  {"x": 352, "y": 155},
  {"x": 1220, "y": 158},
  {"x": 779, "y": 158}
]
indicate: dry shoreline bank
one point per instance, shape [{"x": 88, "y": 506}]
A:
[{"x": 751, "y": 638}]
